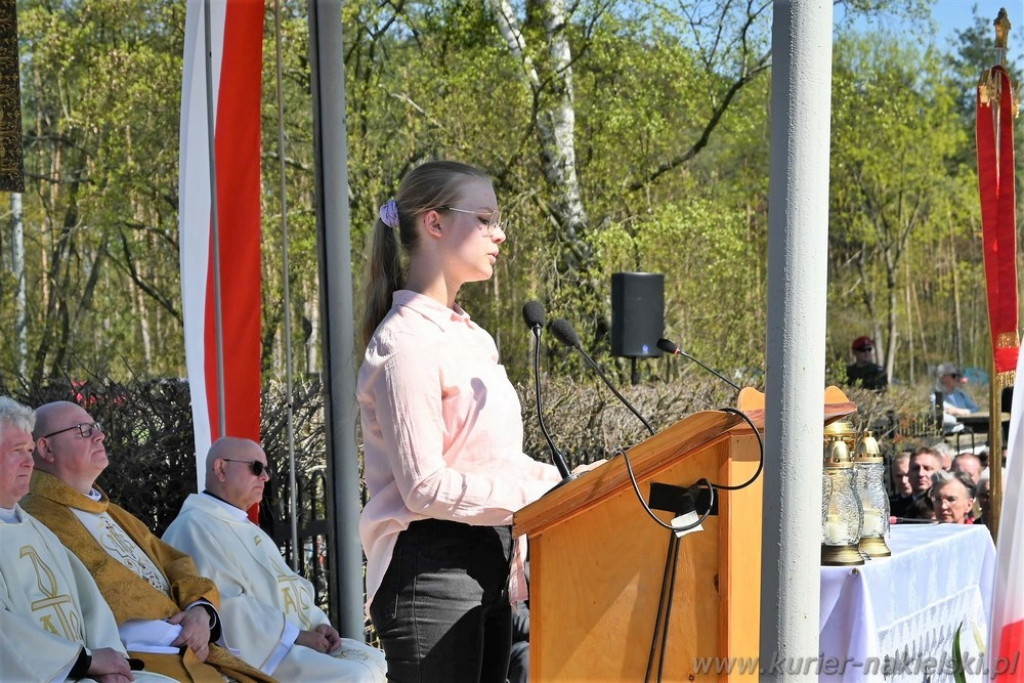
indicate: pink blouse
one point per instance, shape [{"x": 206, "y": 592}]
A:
[{"x": 442, "y": 432}]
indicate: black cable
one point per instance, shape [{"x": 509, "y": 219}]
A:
[
  {"x": 673, "y": 541},
  {"x": 674, "y": 551},
  {"x": 668, "y": 579},
  {"x": 640, "y": 497},
  {"x": 760, "y": 446}
]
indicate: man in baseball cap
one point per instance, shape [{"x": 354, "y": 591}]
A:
[{"x": 863, "y": 371}]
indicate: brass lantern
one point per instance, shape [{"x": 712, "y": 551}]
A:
[
  {"x": 841, "y": 513},
  {"x": 874, "y": 500}
]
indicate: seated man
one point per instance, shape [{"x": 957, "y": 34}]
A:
[
  {"x": 164, "y": 610},
  {"x": 970, "y": 463},
  {"x": 54, "y": 624},
  {"x": 923, "y": 463},
  {"x": 864, "y": 371},
  {"x": 955, "y": 401},
  {"x": 902, "y": 494},
  {"x": 268, "y": 609}
]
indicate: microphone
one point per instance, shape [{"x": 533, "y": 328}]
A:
[
  {"x": 673, "y": 348},
  {"x": 533, "y": 315},
  {"x": 911, "y": 520},
  {"x": 565, "y": 333}
]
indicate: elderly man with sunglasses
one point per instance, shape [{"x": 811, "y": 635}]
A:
[
  {"x": 269, "y": 610},
  {"x": 955, "y": 401},
  {"x": 165, "y": 611}
]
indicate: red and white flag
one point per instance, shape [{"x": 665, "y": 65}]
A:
[
  {"x": 236, "y": 38},
  {"x": 1007, "y": 637}
]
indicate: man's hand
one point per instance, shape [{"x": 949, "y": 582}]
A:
[
  {"x": 322, "y": 639},
  {"x": 110, "y": 666},
  {"x": 195, "y": 630},
  {"x": 332, "y": 636}
]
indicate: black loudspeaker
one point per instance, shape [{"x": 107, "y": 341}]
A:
[{"x": 638, "y": 314}]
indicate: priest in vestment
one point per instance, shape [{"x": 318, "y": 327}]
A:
[
  {"x": 165, "y": 611},
  {"x": 54, "y": 624},
  {"x": 269, "y": 610}
]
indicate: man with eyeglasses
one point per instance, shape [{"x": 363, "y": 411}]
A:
[
  {"x": 165, "y": 611},
  {"x": 54, "y": 624},
  {"x": 269, "y": 610}
]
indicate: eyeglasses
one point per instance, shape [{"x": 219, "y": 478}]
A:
[
  {"x": 258, "y": 468},
  {"x": 493, "y": 218},
  {"x": 86, "y": 429},
  {"x": 954, "y": 375},
  {"x": 865, "y": 348}
]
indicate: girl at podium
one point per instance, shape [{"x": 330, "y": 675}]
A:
[{"x": 444, "y": 462}]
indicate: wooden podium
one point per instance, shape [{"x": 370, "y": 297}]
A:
[{"x": 597, "y": 562}]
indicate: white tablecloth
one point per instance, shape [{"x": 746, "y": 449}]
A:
[{"x": 907, "y": 607}]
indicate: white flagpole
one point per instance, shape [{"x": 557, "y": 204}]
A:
[{"x": 211, "y": 119}]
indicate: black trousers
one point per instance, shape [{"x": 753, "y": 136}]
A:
[{"x": 442, "y": 611}]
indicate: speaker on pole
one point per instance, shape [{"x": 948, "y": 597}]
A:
[{"x": 638, "y": 314}]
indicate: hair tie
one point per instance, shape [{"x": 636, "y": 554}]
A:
[{"x": 389, "y": 213}]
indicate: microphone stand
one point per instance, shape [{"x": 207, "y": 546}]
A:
[
  {"x": 556, "y": 455},
  {"x": 671, "y": 347},
  {"x": 565, "y": 333}
]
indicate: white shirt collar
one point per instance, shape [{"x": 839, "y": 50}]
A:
[
  {"x": 237, "y": 513},
  {"x": 9, "y": 515}
]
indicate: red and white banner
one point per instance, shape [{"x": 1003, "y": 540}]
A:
[
  {"x": 1007, "y": 636},
  {"x": 996, "y": 184},
  {"x": 236, "y": 37}
]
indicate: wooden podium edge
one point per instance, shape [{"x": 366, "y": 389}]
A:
[{"x": 647, "y": 458}]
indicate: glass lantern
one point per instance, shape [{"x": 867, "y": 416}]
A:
[
  {"x": 874, "y": 533},
  {"x": 841, "y": 513}
]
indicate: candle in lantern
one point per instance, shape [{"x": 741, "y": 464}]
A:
[
  {"x": 872, "y": 523},
  {"x": 835, "y": 531}
]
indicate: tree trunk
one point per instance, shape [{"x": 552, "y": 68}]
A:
[
  {"x": 556, "y": 124},
  {"x": 958, "y": 338},
  {"x": 20, "y": 294}
]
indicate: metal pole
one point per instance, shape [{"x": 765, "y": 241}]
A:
[
  {"x": 995, "y": 450},
  {"x": 211, "y": 121},
  {"x": 333, "y": 241},
  {"x": 293, "y": 507},
  {"x": 797, "y": 279},
  {"x": 995, "y": 384}
]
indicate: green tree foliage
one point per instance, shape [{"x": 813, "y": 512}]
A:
[
  {"x": 100, "y": 202},
  {"x": 671, "y": 148},
  {"x": 898, "y": 195}
]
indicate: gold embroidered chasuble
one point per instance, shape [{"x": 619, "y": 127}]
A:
[{"x": 129, "y": 596}]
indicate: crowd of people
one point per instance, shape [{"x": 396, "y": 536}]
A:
[{"x": 933, "y": 483}]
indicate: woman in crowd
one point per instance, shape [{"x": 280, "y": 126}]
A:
[
  {"x": 442, "y": 431},
  {"x": 952, "y": 496}
]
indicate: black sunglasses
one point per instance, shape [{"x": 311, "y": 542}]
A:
[{"x": 256, "y": 466}]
